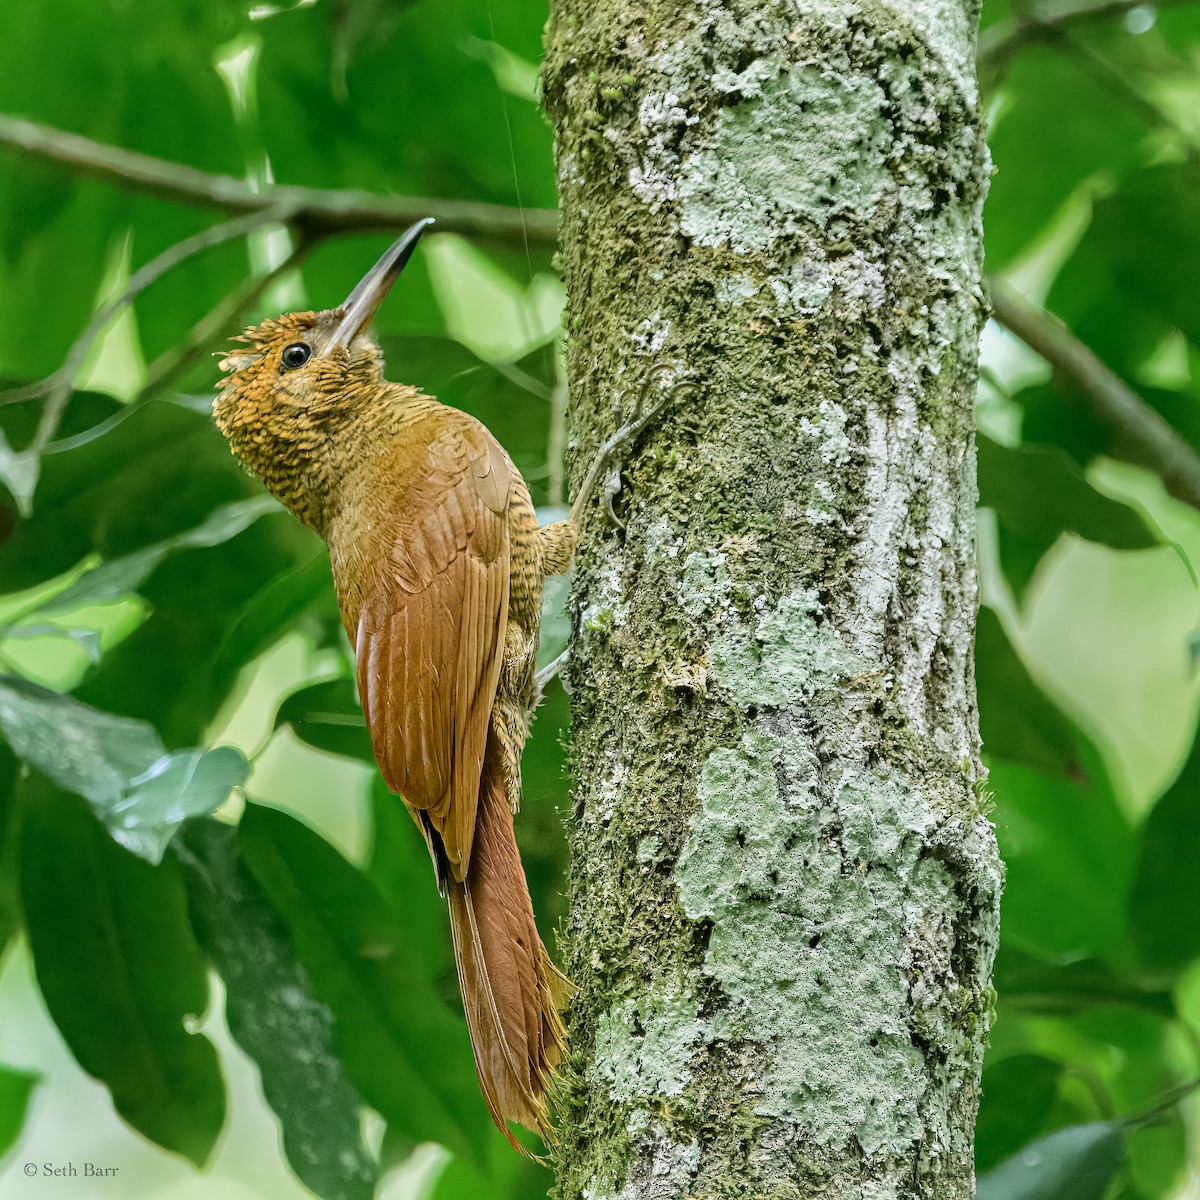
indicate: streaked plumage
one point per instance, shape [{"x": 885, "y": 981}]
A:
[{"x": 438, "y": 564}]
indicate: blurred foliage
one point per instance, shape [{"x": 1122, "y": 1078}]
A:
[{"x": 151, "y": 580}]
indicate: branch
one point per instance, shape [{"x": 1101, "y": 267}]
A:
[
  {"x": 1000, "y": 43},
  {"x": 316, "y": 211},
  {"x": 58, "y": 387},
  {"x": 172, "y": 363},
  {"x": 1112, "y": 402},
  {"x": 1109, "y": 76}
]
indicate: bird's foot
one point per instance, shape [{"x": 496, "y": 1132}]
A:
[
  {"x": 546, "y": 674},
  {"x": 633, "y": 411}
]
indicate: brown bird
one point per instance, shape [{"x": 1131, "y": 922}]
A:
[{"x": 438, "y": 563}]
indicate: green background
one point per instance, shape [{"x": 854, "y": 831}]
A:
[{"x": 237, "y": 995}]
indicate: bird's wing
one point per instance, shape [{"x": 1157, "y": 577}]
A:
[{"x": 431, "y": 632}]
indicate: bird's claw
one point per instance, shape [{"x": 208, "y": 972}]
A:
[
  {"x": 612, "y": 489},
  {"x": 543, "y": 677}
]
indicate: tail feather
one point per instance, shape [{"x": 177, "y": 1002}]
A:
[{"x": 509, "y": 986}]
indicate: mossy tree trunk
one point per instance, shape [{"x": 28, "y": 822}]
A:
[{"x": 784, "y": 888}]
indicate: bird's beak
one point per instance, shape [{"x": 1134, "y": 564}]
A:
[{"x": 369, "y": 293}]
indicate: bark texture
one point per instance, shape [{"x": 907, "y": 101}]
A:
[{"x": 784, "y": 887}]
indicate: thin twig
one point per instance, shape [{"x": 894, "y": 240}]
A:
[
  {"x": 522, "y": 379},
  {"x": 315, "y": 210},
  {"x": 172, "y": 363},
  {"x": 1164, "y": 1104},
  {"x": 1000, "y": 43},
  {"x": 58, "y": 387},
  {"x": 1112, "y": 401},
  {"x": 1109, "y": 76}
]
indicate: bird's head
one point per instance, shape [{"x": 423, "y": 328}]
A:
[{"x": 292, "y": 380}]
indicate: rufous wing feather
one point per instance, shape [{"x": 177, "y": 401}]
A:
[
  {"x": 431, "y": 632},
  {"x": 430, "y": 636}
]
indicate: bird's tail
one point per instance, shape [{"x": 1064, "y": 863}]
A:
[{"x": 510, "y": 988}]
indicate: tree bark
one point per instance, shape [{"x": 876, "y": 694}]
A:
[{"x": 784, "y": 888}]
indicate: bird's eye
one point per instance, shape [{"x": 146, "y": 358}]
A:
[{"x": 295, "y": 355}]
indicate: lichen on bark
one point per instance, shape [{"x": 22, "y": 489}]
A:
[{"x": 783, "y": 888}]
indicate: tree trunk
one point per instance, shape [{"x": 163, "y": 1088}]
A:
[{"x": 784, "y": 888}]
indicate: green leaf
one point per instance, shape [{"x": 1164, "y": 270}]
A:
[
  {"x": 92, "y": 753},
  {"x": 364, "y": 21},
  {"x": 15, "y": 1089},
  {"x": 188, "y": 783},
  {"x": 409, "y": 1058},
  {"x": 1068, "y": 854},
  {"x": 1149, "y": 230},
  {"x": 1031, "y": 984},
  {"x": 274, "y": 610},
  {"x": 1018, "y": 721},
  {"x": 1065, "y": 842},
  {"x": 1017, "y": 1095},
  {"x": 140, "y": 792},
  {"x": 102, "y": 70},
  {"x": 1039, "y": 493},
  {"x": 167, "y": 310},
  {"x": 476, "y": 141},
  {"x": 120, "y": 972},
  {"x": 18, "y": 473},
  {"x": 87, "y": 639},
  {"x": 508, "y": 1177},
  {"x": 328, "y": 717},
  {"x": 1058, "y": 128},
  {"x": 1158, "y": 1153},
  {"x": 65, "y": 235},
  {"x": 400, "y": 867},
  {"x": 1100, "y": 311},
  {"x": 10, "y": 916},
  {"x": 1053, "y": 414},
  {"x": 126, "y": 574},
  {"x": 1078, "y": 1163},
  {"x": 57, "y": 231},
  {"x": 158, "y": 475},
  {"x": 274, "y": 1017},
  {"x": 1165, "y": 904},
  {"x": 139, "y": 484}
]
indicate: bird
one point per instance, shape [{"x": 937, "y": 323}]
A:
[{"x": 438, "y": 563}]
